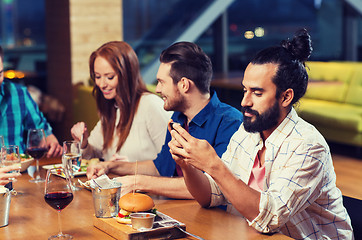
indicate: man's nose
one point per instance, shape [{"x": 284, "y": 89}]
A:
[
  {"x": 158, "y": 88},
  {"x": 246, "y": 101}
]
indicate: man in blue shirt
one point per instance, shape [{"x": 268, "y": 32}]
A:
[
  {"x": 19, "y": 113},
  {"x": 184, "y": 78}
]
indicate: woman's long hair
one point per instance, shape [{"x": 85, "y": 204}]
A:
[{"x": 124, "y": 62}]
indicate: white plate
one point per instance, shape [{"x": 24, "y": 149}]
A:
[
  {"x": 25, "y": 164},
  {"x": 60, "y": 165}
]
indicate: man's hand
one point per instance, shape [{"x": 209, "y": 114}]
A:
[
  {"x": 186, "y": 149},
  {"x": 54, "y": 149},
  {"x": 129, "y": 183}
]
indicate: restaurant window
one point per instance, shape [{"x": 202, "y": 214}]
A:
[
  {"x": 22, "y": 29},
  {"x": 253, "y": 25}
]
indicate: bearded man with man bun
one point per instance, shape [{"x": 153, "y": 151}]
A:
[{"x": 277, "y": 171}]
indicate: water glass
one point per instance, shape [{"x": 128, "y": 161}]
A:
[
  {"x": 11, "y": 157},
  {"x": 71, "y": 159},
  {"x": 2, "y": 143}
]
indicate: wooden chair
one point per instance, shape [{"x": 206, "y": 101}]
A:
[{"x": 354, "y": 209}]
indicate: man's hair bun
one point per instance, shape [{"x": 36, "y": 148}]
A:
[{"x": 300, "y": 47}]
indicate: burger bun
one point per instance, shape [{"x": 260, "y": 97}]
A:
[
  {"x": 136, "y": 202},
  {"x": 123, "y": 220}
]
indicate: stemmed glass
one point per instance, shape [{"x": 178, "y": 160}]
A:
[
  {"x": 36, "y": 147},
  {"x": 11, "y": 157},
  {"x": 71, "y": 159},
  {"x": 58, "y": 194}
]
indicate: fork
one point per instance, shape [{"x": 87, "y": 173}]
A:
[{"x": 177, "y": 225}]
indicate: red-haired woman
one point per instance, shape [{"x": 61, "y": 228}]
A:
[{"x": 132, "y": 121}]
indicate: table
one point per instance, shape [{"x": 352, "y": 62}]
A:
[{"x": 31, "y": 218}]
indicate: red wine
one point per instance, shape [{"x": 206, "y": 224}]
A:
[
  {"x": 58, "y": 200},
  {"x": 36, "y": 152}
]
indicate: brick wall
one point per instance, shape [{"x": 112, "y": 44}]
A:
[
  {"x": 92, "y": 23},
  {"x": 75, "y": 28}
]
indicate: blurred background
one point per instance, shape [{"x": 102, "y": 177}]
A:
[{"x": 47, "y": 43}]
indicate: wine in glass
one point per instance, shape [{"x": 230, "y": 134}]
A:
[
  {"x": 36, "y": 147},
  {"x": 71, "y": 159},
  {"x": 11, "y": 157},
  {"x": 58, "y": 194}
]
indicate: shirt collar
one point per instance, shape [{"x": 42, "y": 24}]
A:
[
  {"x": 204, "y": 114},
  {"x": 284, "y": 129}
]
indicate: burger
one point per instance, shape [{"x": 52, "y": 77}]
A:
[{"x": 134, "y": 202}]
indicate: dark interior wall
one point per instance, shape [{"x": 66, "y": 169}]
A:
[{"x": 58, "y": 64}]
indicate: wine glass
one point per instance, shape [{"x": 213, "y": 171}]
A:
[
  {"x": 36, "y": 147},
  {"x": 71, "y": 159},
  {"x": 58, "y": 194},
  {"x": 11, "y": 157}
]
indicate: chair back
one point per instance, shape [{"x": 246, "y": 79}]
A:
[{"x": 354, "y": 209}]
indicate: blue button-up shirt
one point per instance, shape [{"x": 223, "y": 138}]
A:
[
  {"x": 216, "y": 123},
  {"x": 18, "y": 113}
]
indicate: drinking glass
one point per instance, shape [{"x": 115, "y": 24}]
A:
[
  {"x": 58, "y": 194},
  {"x": 10, "y": 157},
  {"x": 71, "y": 159},
  {"x": 36, "y": 147},
  {"x": 2, "y": 143}
]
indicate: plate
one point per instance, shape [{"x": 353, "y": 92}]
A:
[
  {"x": 81, "y": 173},
  {"x": 25, "y": 163}
]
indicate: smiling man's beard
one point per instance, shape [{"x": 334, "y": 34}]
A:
[
  {"x": 262, "y": 122},
  {"x": 176, "y": 103}
]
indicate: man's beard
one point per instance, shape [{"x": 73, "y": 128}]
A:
[
  {"x": 262, "y": 122},
  {"x": 177, "y": 103}
]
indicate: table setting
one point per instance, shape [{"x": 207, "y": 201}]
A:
[{"x": 31, "y": 214}]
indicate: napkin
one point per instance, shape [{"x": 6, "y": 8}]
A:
[{"x": 102, "y": 182}]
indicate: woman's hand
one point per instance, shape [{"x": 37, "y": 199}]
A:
[
  {"x": 5, "y": 175},
  {"x": 80, "y": 133},
  {"x": 97, "y": 170}
]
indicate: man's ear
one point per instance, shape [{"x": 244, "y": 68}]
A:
[
  {"x": 184, "y": 84},
  {"x": 287, "y": 97}
]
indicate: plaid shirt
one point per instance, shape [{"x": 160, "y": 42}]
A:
[
  {"x": 300, "y": 198},
  {"x": 19, "y": 113}
]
